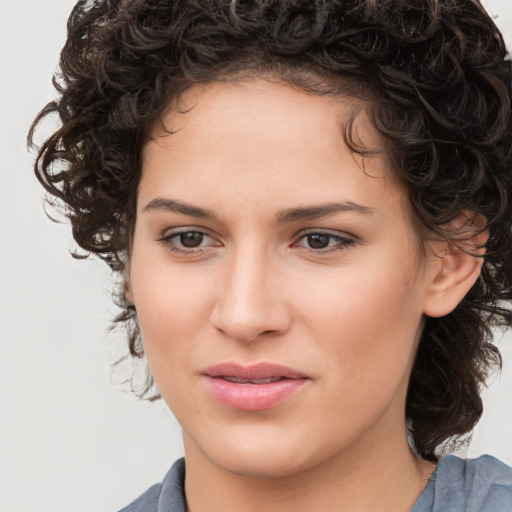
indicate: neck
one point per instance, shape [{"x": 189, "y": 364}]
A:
[{"x": 380, "y": 477}]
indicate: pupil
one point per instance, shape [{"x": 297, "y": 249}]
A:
[
  {"x": 318, "y": 241},
  {"x": 191, "y": 239}
]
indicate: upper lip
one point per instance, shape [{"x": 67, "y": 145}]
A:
[{"x": 255, "y": 371}]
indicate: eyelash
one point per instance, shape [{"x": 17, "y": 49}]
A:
[
  {"x": 167, "y": 241},
  {"x": 341, "y": 242}
]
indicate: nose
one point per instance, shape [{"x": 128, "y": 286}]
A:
[{"x": 250, "y": 300}]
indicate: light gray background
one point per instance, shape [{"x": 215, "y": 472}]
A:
[{"x": 68, "y": 440}]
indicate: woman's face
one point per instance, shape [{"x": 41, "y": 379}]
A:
[{"x": 277, "y": 281}]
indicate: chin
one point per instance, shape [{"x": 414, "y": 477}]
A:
[
  {"x": 272, "y": 466},
  {"x": 263, "y": 456}
]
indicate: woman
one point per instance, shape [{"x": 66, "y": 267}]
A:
[{"x": 309, "y": 207}]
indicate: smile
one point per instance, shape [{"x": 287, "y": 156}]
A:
[{"x": 253, "y": 388}]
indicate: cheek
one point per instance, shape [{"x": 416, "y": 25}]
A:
[
  {"x": 171, "y": 307},
  {"x": 169, "y": 320},
  {"x": 366, "y": 322}
]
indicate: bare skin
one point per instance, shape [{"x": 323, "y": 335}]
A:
[
  {"x": 385, "y": 482},
  {"x": 280, "y": 276}
]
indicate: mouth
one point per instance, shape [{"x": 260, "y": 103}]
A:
[
  {"x": 237, "y": 380},
  {"x": 253, "y": 388}
]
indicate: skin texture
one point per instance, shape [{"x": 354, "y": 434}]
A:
[{"x": 348, "y": 316}]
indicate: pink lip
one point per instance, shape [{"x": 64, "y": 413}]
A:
[{"x": 253, "y": 396}]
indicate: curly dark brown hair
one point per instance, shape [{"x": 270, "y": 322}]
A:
[{"x": 436, "y": 80}]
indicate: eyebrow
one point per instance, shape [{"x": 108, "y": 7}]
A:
[
  {"x": 322, "y": 210},
  {"x": 172, "y": 205},
  {"x": 288, "y": 215}
]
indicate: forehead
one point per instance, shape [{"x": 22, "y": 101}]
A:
[
  {"x": 258, "y": 105},
  {"x": 257, "y": 139}
]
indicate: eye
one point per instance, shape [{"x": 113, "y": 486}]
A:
[
  {"x": 322, "y": 242},
  {"x": 189, "y": 241}
]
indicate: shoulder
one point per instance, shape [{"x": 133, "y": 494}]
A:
[
  {"x": 486, "y": 467},
  {"x": 167, "y": 496},
  {"x": 147, "y": 502},
  {"x": 471, "y": 485}
]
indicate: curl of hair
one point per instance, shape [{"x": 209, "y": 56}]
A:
[{"x": 436, "y": 80}]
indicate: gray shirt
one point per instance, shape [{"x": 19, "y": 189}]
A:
[{"x": 457, "y": 485}]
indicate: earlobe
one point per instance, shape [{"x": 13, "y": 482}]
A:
[{"x": 456, "y": 270}]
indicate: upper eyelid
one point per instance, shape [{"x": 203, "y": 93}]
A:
[
  {"x": 171, "y": 233},
  {"x": 170, "y": 236},
  {"x": 344, "y": 240},
  {"x": 302, "y": 232},
  {"x": 322, "y": 231}
]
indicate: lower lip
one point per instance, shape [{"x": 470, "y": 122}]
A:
[{"x": 253, "y": 397}]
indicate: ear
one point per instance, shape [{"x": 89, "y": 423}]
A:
[
  {"x": 128, "y": 294},
  {"x": 127, "y": 287},
  {"x": 455, "y": 267}
]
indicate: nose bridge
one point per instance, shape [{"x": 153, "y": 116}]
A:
[{"x": 249, "y": 300}]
